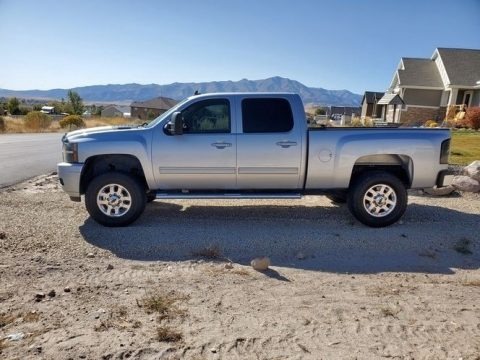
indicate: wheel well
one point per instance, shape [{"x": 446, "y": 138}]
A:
[{"x": 101, "y": 164}]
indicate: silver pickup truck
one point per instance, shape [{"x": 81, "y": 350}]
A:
[{"x": 248, "y": 145}]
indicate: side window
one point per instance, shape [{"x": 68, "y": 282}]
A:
[
  {"x": 266, "y": 115},
  {"x": 207, "y": 116}
]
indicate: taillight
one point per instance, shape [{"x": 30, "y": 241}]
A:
[{"x": 444, "y": 151}]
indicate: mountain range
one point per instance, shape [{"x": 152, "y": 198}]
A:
[{"x": 126, "y": 93}]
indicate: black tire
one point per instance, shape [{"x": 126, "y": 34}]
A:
[
  {"x": 151, "y": 197},
  {"x": 129, "y": 209},
  {"x": 337, "y": 197},
  {"x": 367, "y": 191}
]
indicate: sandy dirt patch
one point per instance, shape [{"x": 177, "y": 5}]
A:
[{"x": 177, "y": 284}]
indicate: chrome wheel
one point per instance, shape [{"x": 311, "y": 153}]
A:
[
  {"x": 380, "y": 200},
  {"x": 114, "y": 200}
]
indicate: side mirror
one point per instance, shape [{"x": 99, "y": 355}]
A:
[{"x": 176, "y": 127}]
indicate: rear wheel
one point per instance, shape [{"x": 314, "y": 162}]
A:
[
  {"x": 378, "y": 199},
  {"x": 115, "y": 199}
]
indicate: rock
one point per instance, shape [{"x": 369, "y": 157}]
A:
[
  {"x": 16, "y": 336},
  {"x": 260, "y": 263},
  {"x": 301, "y": 256},
  {"x": 90, "y": 255},
  {"x": 440, "y": 191},
  {"x": 110, "y": 267},
  {"x": 213, "y": 350},
  {"x": 52, "y": 293},
  {"x": 3, "y": 235},
  {"x": 67, "y": 289},
  {"x": 228, "y": 266},
  {"x": 473, "y": 170},
  {"x": 39, "y": 296},
  {"x": 465, "y": 183}
]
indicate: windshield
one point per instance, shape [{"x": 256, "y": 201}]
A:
[{"x": 166, "y": 114}]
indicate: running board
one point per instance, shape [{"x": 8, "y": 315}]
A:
[{"x": 166, "y": 195}]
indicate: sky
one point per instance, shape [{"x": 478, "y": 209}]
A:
[{"x": 334, "y": 44}]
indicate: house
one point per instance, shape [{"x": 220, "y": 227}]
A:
[
  {"x": 48, "y": 109},
  {"x": 428, "y": 87},
  {"x": 343, "y": 110},
  {"x": 152, "y": 108},
  {"x": 370, "y": 107},
  {"x": 116, "y": 111}
]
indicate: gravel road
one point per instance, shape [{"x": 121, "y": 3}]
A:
[{"x": 336, "y": 289}]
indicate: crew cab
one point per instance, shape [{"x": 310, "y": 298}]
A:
[{"x": 248, "y": 145}]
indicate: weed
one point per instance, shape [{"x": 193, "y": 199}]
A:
[
  {"x": 212, "y": 252},
  {"x": 463, "y": 246},
  {"x": 31, "y": 316},
  {"x": 472, "y": 282},
  {"x": 166, "y": 334},
  {"x": 6, "y": 319},
  {"x": 389, "y": 311},
  {"x": 163, "y": 304}
]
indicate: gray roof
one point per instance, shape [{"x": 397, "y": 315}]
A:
[
  {"x": 372, "y": 96},
  {"x": 462, "y": 65},
  {"x": 390, "y": 99},
  {"x": 122, "y": 109},
  {"x": 419, "y": 72},
  {"x": 160, "y": 103}
]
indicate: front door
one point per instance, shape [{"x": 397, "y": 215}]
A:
[{"x": 204, "y": 156}]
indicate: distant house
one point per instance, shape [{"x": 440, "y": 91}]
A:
[
  {"x": 370, "y": 107},
  {"x": 48, "y": 109},
  {"x": 152, "y": 108},
  {"x": 451, "y": 77},
  {"x": 116, "y": 111},
  {"x": 344, "y": 110}
]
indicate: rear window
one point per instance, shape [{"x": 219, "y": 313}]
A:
[{"x": 266, "y": 115}]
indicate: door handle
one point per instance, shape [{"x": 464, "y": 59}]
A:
[
  {"x": 221, "y": 145},
  {"x": 286, "y": 144}
]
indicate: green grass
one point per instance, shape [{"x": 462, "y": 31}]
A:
[{"x": 465, "y": 147}]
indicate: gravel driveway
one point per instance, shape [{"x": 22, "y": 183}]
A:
[{"x": 337, "y": 289}]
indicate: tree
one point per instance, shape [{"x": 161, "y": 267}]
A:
[
  {"x": 320, "y": 111},
  {"x": 13, "y": 106},
  {"x": 75, "y": 103}
]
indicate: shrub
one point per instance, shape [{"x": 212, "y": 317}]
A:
[
  {"x": 472, "y": 117},
  {"x": 36, "y": 120},
  {"x": 72, "y": 121},
  {"x": 430, "y": 123},
  {"x": 2, "y": 124}
]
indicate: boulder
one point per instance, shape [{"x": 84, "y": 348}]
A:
[
  {"x": 260, "y": 263},
  {"x": 440, "y": 191},
  {"x": 473, "y": 170},
  {"x": 465, "y": 183}
]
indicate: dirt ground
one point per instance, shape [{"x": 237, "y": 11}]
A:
[{"x": 177, "y": 283}]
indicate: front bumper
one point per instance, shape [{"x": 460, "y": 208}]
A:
[{"x": 69, "y": 176}]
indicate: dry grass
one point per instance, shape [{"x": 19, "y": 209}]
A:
[
  {"x": 211, "y": 252},
  {"x": 215, "y": 270},
  {"x": 465, "y": 147},
  {"x": 390, "y": 311},
  {"x": 166, "y": 334},
  {"x": 3, "y": 345},
  {"x": 162, "y": 304},
  {"x": 475, "y": 282},
  {"x": 6, "y": 319},
  {"x": 31, "y": 316},
  {"x": 110, "y": 121},
  {"x": 462, "y": 246}
]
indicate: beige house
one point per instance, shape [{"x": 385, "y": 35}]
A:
[
  {"x": 150, "y": 109},
  {"x": 429, "y": 86}
]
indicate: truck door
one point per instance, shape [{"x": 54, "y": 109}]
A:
[
  {"x": 269, "y": 145},
  {"x": 204, "y": 156}
]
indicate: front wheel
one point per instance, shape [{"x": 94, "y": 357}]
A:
[
  {"x": 378, "y": 199},
  {"x": 115, "y": 199}
]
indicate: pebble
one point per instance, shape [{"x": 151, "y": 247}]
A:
[
  {"x": 52, "y": 293},
  {"x": 39, "y": 296},
  {"x": 110, "y": 267},
  {"x": 90, "y": 255},
  {"x": 301, "y": 256},
  {"x": 3, "y": 236},
  {"x": 213, "y": 350},
  {"x": 228, "y": 266},
  {"x": 67, "y": 289}
]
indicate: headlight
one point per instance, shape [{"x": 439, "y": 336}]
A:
[{"x": 70, "y": 152}]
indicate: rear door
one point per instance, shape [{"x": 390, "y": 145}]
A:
[
  {"x": 269, "y": 144},
  {"x": 204, "y": 156}
]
